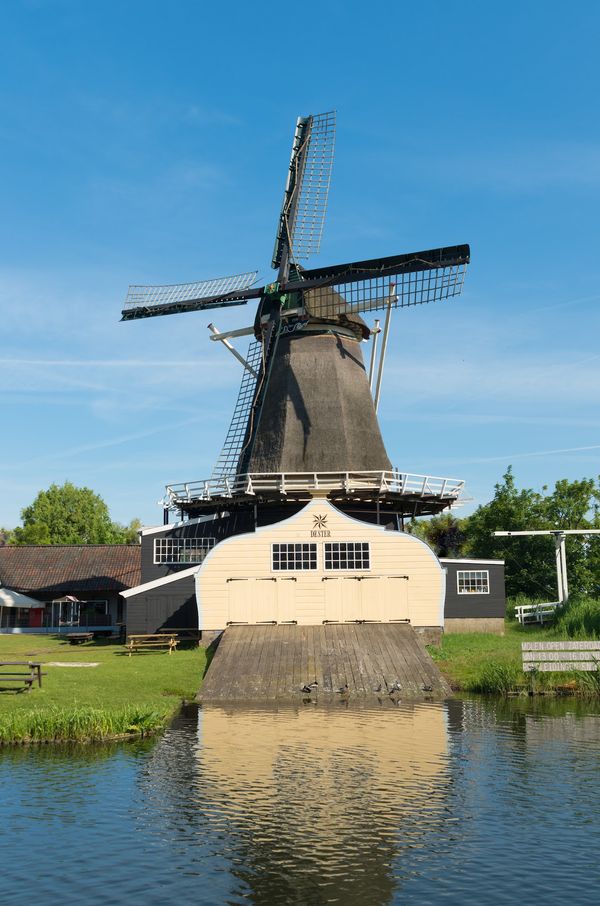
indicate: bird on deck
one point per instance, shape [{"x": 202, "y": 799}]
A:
[
  {"x": 377, "y": 688},
  {"x": 343, "y": 690},
  {"x": 308, "y": 688},
  {"x": 426, "y": 687},
  {"x": 395, "y": 687}
]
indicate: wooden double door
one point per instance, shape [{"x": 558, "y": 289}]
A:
[
  {"x": 311, "y": 601},
  {"x": 376, "y": 599}
]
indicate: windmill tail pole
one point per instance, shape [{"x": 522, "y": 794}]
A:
[
  {"x": 384, "y": 341},
  {"x": 375, "y": 333}
]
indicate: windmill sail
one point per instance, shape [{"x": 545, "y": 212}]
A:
[
  {"x": 307, "y": 189},
  {"x": 149, "y": 301},
  {"x": 400, "y": 280},
  {"x": 227, "y": 463}
]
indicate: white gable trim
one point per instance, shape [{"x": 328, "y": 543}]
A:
[
  {"x": 155, "y": 529},
  {"x": 156, "y": 583}
]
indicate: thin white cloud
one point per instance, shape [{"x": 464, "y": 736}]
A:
[
  {"x": 106, "y": 363},
  {"x": 68, "y": 452},
  {"x": 509, "y": 457}
]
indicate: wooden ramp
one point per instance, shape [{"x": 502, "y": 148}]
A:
[{"x": 273, "y": 663}]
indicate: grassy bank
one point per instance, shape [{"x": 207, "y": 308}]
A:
[
  {"x": 491, "y": 664},
  {"x": 121, "y": 696}
]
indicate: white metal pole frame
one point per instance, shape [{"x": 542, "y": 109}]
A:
[
  {"x": 232, "y": 349},
  {"x": 563, "y": 568},
  {"x": 375, "y": 334},
  {"x": 560, "y": 542}
]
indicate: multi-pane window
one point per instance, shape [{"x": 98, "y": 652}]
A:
[
  {"x": 182, "y": 550},
  {"x": 473, "y": 581},
  {"x": 294, "y": 556},
  {"x": 347, "y": 555}
]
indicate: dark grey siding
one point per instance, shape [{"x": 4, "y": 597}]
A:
[
  {"x": 217, "y": 528},
  {"x": 473, "y": 606},
  {"x": 171, "y": 606}
]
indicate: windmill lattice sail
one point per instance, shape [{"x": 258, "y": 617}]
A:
[
  {"x": 145, "y": 301},
  {"x": 307, "y": 190},
  {"x": 226, "y": 465},
  {"x": 399, "y": 281}
]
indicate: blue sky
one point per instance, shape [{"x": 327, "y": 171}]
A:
[{"x": 148, "y": 142}]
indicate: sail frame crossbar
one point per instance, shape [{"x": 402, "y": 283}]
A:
[
  {"x": 379, "y": 483},
  {"x": 171, "y": 295}
]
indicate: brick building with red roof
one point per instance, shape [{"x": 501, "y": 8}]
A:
[{"x": 80, "y": 584}]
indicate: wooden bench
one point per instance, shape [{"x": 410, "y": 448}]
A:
[
  {"x": 560, "y": 656},
  {"x": 25, "y": 679},
  {"x": 149, "y": 642}
]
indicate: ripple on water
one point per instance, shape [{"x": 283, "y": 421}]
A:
[{"x": 457, "y": 803}]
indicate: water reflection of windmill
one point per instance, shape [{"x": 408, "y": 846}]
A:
[
  {"x": 305, "y": 406},
  {"x": 307, "y": 805}
]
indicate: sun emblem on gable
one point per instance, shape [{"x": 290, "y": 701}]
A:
[{"x": 320, "y": 522}]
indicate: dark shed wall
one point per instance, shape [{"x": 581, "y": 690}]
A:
[
  {"x": 216, "y": 528},
  {"x": 172, "y": 606},
  {"x": 473, "y": 606}
]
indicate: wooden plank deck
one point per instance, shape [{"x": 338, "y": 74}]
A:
[{"x": 273, "y": 663}]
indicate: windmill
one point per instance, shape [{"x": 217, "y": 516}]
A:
[{"x": 305, "y": 421}]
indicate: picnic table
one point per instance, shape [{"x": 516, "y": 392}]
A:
[
  {"x": 26, "y": 679},
  {"x": 78, "y": 638},
  {"x": 183, "y": 634},
  {"x": 150, "y": 642}
]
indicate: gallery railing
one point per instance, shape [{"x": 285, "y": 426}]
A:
[{"x": 252, "y": 484}]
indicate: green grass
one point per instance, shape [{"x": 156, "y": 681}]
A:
[
  {"x": 121, "y": 696},
  {"x": 491, "y": 664}
]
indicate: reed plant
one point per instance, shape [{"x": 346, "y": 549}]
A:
[
  {"x": 78, "y": 724},
  {"x": 579, "y": 619},
  {"x": 496, "y": 678}
]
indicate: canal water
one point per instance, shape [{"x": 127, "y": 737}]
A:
[{"x": 473, "y": 801}]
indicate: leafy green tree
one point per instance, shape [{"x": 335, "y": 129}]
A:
[
  {"x": 5, "y": 536},
  {"x": 445, "y": 534},
  {"x": 67, "y": 514},
  {"x": 127, "y": 534},
  {"x": 530, "y": 563}
]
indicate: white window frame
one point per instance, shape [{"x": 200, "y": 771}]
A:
[
  {"x": 346, "y": 569},
  {"x": 484, "y": 574},
  {"x": 295, "y": 568},
  {"x": 178, "y": 546}
]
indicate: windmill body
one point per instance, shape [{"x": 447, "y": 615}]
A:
[{"x": 305, "y": 423}]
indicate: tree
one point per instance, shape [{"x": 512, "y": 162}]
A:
[
  {"x": 530, "y": 563},
  {"x": 67, "y": 514},
  {"x": 445, "y": 534}
]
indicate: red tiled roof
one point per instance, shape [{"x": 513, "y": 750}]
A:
[{"x": 49, "y": 570}]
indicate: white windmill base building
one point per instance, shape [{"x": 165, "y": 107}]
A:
[{"x": 317, "y": 566}]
